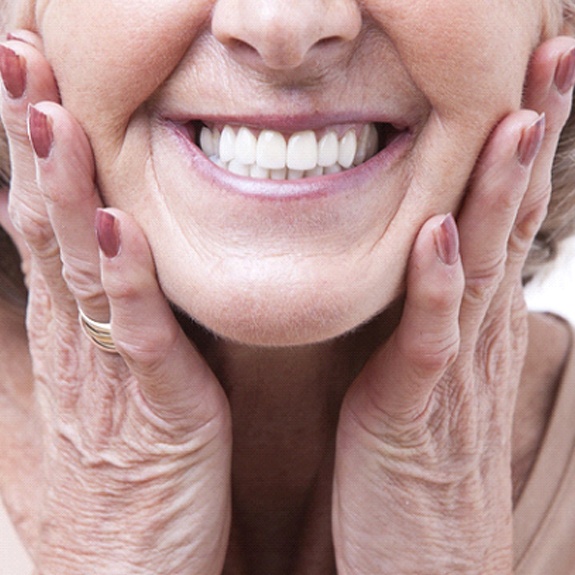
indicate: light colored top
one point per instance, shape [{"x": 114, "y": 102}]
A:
[
  {"x": 544, "y": 518},
  {"x": 13, "y": 558}
]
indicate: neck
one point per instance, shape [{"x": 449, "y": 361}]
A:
[{"x": 285, "y": 404}]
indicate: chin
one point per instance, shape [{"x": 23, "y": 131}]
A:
[{"x": 284, "y": 318}]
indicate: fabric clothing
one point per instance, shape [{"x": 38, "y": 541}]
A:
[{"x": 544, "y": 517}]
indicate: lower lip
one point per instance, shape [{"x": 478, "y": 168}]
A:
[{"x": 284, "y": 190}]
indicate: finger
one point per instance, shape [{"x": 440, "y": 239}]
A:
[
  {"x": 65, "y": 172},
  {"x": 27, "y": 78},
  {"x": 26, "y": 36},
  {"x": 174, "y": 379},
  {"x": 549, "y": 90},
  {"x": 489, "y": 212},
  {"x": 401, "y": 377}
]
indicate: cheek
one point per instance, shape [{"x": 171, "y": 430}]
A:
[
  {"x": 117, "y": 52},
  {"x": 465, "y": 56}
]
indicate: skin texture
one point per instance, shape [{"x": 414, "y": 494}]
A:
[
  {"x": 280, "y": 266},
  {"x": 132, "y": 453}
]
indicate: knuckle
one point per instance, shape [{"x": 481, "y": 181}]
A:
[
  {"x": 530, "y": 219},
  {"x": 433, "y": 353},
  {"x": 82, "y": 281},
  {"x": 494, "y": 353},
  {"x": 442, "y": 357},
  {"x": 32, "y": 223},
  {"x": 148, "y": 349},
  {"x": 442, "y": 298},
  {"x": 481, "y": 286},
  {"x": 120, "y": 289}
]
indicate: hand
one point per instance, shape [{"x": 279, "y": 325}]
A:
[
  {"x": 130, "y": 451},
  {"x": 423, "y": 460}
]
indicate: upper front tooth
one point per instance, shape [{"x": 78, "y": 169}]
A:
[
  {"x": 302, "y": 151},
  {"x": 271, "y": 150},
  {"x": 246, "y": 143}
]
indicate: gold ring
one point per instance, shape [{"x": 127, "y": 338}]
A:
[{"x": 99, "y": 332}]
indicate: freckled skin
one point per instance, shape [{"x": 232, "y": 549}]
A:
[{"x": 220, "y": 258}]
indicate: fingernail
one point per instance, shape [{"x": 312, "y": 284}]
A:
[
  {"x": 531, "y": 141},
  {"x": 19, "y": 37},
  {"x": 447, "y": 240},
  {"x": 108, "y": 233},
  {"x": 40, "y": 132},
  {"x": 565, "y": 72},
  {"x": 13, "y": 71}
]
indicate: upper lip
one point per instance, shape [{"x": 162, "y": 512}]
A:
[
  {"x": 291, "y": 124},
  {"x": 295, "y": 122}
]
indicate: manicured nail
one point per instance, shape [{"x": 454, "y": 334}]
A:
[
  {"x": 13, "y": 71},
  {"x": 565, "y": 72},
  {"x": 40, "y": 132},
  {"x": 108, "y": 233},
  {"x": 447, "y": 240},
  {"x": 19, "y": 37},
  {"x": 531, "y": 141}
]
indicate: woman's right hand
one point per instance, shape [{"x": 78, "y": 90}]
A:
[{"x": 133, "y": 471}]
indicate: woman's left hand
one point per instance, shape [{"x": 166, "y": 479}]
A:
[{"x": 423, "y": 461}]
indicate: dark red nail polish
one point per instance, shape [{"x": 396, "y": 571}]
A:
[
  {"x": 108, "y": 233},
  {"x": 447, "y": 240},
  {"x": 13, "y": 71},
  {"x": 531, "y": 141},
  {"x": 565, "y": 72},
  {"x": 40, "y": 132}
]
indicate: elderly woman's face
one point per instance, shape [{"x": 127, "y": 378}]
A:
[{"x": 274, "y": 261}]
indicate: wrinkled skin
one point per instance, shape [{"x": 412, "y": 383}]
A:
[{"x": 131, "y": 454}]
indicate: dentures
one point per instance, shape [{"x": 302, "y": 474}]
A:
[{"x": 269, "y": 154}]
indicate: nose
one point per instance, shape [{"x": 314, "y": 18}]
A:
[{"x": 283, "y": 34}]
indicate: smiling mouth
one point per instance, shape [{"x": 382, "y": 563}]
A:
[{"x": 273, "y": 155}]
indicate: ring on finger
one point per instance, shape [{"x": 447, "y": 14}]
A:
[{"x": 100, "y": 333}]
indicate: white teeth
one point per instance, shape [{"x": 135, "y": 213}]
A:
[
  {"x": 259, "y": 173},
  {"x": 236, "y": 167},
  {"x": 207, "y": 142},
  {"x": 227, "y": 144},
  {"x": 271, "y": 150},
  {"x": 335, "y": 169},
  {"x": 347, "y": 149},
  {"x": 315, "y": 172},
  {"x": 328, "y": 150},
  {"x": 295, "y": 174},
  {"x": 268, "y": 155},
  {"x": 366, "y": 145},
  {"x": 302, "y": 151},
  {"x": 280, "y": 174},
  {"x": 246, "y": 144}
]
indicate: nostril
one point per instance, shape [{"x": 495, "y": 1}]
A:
[
  {"x": 326, "y": 42},
  {"x": 242, "y": 47},
  {"x": 282, "y": 33}
]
